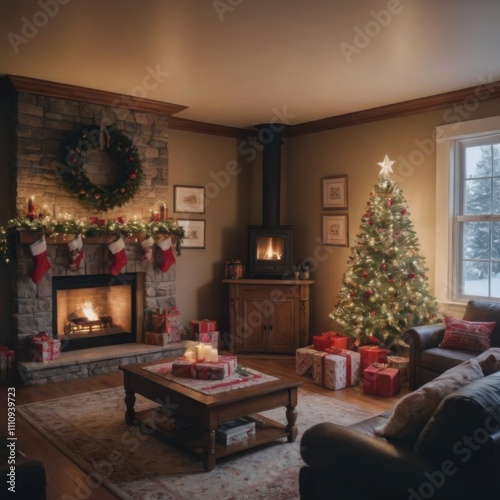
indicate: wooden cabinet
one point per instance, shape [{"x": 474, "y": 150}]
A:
[{"x": 269, "y": 316}]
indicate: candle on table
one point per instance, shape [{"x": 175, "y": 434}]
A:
[
  {"x": 207, "y": 352},
  {"x": 215, "y": 356},
  {"x": 199, "y": 351},
  {"x": 189, "y": 354}
]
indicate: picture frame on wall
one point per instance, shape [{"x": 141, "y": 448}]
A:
[
  {"x": 189, "y": 199},
  {"x": 194, "y": 233},
  {"x": 335, "y": 230},
  {"x": 334, "y": 192}
]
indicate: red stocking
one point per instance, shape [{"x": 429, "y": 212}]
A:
[
  {"x": 168, "y": 254},
  {"x": 117, "y": 248},
  {"x": 147, "y": 246},
  {"x": 75, "y": 248},
  {"x": 42, "y": 264}
]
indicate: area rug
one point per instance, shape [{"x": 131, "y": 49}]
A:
[{"x": 90, "y": 429}]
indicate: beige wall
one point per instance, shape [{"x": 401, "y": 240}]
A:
[
  {"x": 204, "y": 160},
  {"x": 355, "y": 151}
]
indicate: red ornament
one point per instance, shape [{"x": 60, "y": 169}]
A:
[
  {"x": 367, "y": 214},
  {"x": 352, "y": 294},
  {"x": 383, "y": 266},
  {"x": 403, "y": 212},
  {"x": 365, "y": 275},
  {"x": 122, "y": 190},
  {"x": 130, "y": 158},
  {"x": 389, "y": 203},
  {"x": 390, "y": 280},
  {"x": 373, "y": 313},
  {"x": 132, "y": 175},
  {"x": 411, "y": 276},
  {"x": 368, "y": 292}
]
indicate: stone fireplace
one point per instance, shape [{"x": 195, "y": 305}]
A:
[{"x": 43, "y": 116}]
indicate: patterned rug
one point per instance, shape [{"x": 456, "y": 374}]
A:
[{"x": 90, "y": 429}]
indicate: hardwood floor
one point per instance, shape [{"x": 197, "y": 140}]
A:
[{"x": 67, "y": 481}]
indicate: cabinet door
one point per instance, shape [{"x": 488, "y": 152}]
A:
[
  {"x": 252, "y": 328},
  {"x": 284, "y": 325}
]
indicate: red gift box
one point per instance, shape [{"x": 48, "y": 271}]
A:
[
  {"x": 328, "y": 340},
  {"x": 162, "y": 322},
  {"x": 380, "y": 380},
  {"x": 55, "y": 349},
  {"x": 322, "y": 342},
  {"x": 7, "y": 358},
  {"x": 40, "y": 349},
  {"x": 216, "y": 370},
  {"x": 371, "y": 354},
  {"x": 211, "y": 338},
  {"x": 203, "y": 326}
]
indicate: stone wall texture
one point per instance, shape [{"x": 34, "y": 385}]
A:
[{"x": 43, "y": 126}]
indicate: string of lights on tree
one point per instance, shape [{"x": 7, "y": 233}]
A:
[{"x": 385, "y": 288}]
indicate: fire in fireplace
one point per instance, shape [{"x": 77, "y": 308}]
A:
[{"x": 94, "y": 310}]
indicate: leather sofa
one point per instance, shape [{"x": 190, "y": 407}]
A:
[
  {"x": 460, "y": 458},
  {"x": 29, "y": 479},
  {"x": 428, "y": 360}
]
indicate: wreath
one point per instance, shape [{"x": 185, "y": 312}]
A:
[{"x": 72, "y": 175}]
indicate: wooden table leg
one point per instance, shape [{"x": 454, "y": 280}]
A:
[
  {"x": 209, "y": 450},
  {"x": 291, "y": 418},
  {"x": 129, "y": 403}
]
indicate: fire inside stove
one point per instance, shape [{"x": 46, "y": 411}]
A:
[{"x": 270, "y": 248}]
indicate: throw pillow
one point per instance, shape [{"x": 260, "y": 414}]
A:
[
  {"x": 415, "y": 409},
  {"x": 468, "y": 335}
]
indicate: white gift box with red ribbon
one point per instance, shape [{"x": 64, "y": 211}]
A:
[{"x": 336, "y": 371}]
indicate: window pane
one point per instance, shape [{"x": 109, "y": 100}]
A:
[
  {"x": 496, "y": 159},
  {"x": 477, "y": 197},
  {"x": 495, "y": 245},
  {"x": 476, "y": 240},
  {"x": 478, "y": 161},
  {"x": 476, "y": 278}
]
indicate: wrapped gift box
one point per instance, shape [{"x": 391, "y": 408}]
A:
[
  {"x": 171, "y": 335},
  {"x": 336, "y": 371},
  {"x": 203, "y": 326},
  {"x": 215, "y": 370},
  {"x": 55, "y": 349},
  {"x": 40, "y": 349},
  {"x": 401, "y": 363},
  {"x": 7, "y": 360},
  {"x": 329, "y": 340},
  {"x": 371, "y": 354},
  {"x": 380, "y": 380},
  {"x": 304, "y": 360},
  {"x": 211, "y": 338},
  {"x": 165, "y": 321}
]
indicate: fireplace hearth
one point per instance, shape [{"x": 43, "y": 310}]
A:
[{"x": 94, "y": 310}]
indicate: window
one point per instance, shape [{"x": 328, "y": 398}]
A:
[{"x": 468, "y": 213}]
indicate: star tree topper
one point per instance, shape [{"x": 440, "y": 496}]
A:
[{"x": 386, "y": 170}]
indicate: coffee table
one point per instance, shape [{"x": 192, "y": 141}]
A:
[{"x": 210, "y": 411}]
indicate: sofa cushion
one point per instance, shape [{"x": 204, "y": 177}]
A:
[
  {"x": 479, "y": 310},
  {"x": 415, "y": 409},
  {"x": 462, "y": 421},
  {"x": 467, "y": 335},
  {"x": 439, "y": 359}
]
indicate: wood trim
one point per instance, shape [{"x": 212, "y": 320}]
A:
[
  {"x": 482, "y": 92},
  {"x": 176, "y": 123},
  {"x": 94, "y": 96}
]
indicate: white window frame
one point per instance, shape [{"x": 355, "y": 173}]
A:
[{"x": 446, "y": 178}]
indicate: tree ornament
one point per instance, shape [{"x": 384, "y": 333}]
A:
[
  {"x": 383, "y": 266},
  {"x": 368, "y": 293},
  {"x": 365, "y": 275},
  {"x": 74, "y": 180}
]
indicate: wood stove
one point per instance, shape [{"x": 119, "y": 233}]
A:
[
  {"x": 94, "y": 310},
  {"x": 270, "y": 246},
  {"x": 269, "y": 251}
]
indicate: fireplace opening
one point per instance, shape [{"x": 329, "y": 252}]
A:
[
  {"x": 94, "y": 310},
  {"x": 270, "y": 248}
]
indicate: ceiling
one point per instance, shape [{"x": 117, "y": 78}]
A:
[{"x": 243, "y": 62}]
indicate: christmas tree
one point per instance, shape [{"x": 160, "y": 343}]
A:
[{"x": 385, "y": 288}]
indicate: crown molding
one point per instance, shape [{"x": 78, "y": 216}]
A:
[
  {"x": 176, "y": 123},
  {"x": 482, "y": 92},
  {"x": 93, "y": 96}
]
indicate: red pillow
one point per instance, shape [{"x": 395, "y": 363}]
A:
[{"x": 468, "y": 335}]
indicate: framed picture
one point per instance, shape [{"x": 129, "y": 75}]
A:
[
  {"x": 189, "y": 199},
  {"x": 194, "y": 233},
  {"x": 334, "y": 192},
  {"x": 336, "y": 230}
]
